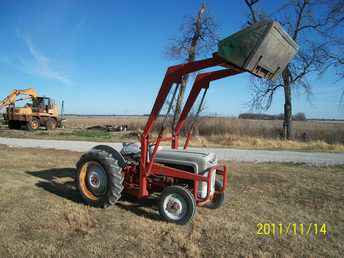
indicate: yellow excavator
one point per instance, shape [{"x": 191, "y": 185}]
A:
[{"x": 38, "y": 111}]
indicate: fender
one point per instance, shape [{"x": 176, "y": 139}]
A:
[{"x": 115, "y": 154}]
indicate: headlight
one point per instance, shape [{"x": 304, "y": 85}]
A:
[{"x": 203, "y": 188}]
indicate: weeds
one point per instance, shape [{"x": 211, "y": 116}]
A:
[
  {"x": 211, "y": 132},
  {"x": 304, "y": 131}
]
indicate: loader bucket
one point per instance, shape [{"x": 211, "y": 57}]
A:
[{"x": 263, "y": 49}]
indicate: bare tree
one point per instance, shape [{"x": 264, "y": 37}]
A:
[
  {"x": 197, "y": 37},
  {"x": 336, "y": 12},
  {"x": 253, "y": 14},
  {"x": 335, "y": 35},
  {"x": 304, "y": 24}
]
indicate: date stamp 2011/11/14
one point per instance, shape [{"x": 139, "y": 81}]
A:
[{"x": 279, "y": 230}]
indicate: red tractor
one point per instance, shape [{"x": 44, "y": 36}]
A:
[{"x": 185, "y": 179}]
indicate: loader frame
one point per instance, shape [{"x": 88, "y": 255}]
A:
[{"x": 148, "y": 167}]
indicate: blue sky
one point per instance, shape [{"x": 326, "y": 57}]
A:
[{"x": 106, "y": 57}]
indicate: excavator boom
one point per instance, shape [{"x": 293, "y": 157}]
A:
[
  {"x": 12, "y": 97},
  {"x": 42, "y": 111}
]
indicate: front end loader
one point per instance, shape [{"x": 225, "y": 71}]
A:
[{"x": 184, "y": 179}]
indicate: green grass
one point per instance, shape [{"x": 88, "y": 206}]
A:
[
  {"x": 61, "y": 134},
  {"x": 87, "y": 134},
  {"x": 42, "y": 214}
]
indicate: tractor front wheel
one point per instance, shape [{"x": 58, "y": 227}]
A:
[
  {"x": 51, "y": 124},
  {"x": 217, "y": 199},
  {"x": 12, "y": 124},
  {"x": 99, "y": 178},
  {"x": 177, "y": 205},
  {"x": 33, "y": 124}
]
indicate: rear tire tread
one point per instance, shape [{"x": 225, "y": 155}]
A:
[
  {"x": 51, "y": 124},
  {"x": 114, "y": 172}
]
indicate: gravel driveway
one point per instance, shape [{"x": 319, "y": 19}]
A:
[{"x": 312, "y": 158}]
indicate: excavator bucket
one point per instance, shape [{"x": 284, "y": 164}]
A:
[{"x": 263, "y": 49}]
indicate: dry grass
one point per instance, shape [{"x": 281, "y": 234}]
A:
[
  {"x": 304, "y": 131},
  {"x": 77, "y": 122},
  {"x": 271, "y": 144},
  {"x": 215, "y": 132},
  {"x": 41, "y": 214},
  {"x": 217, "y": 141},
  {"x": 271, "y": 129}
]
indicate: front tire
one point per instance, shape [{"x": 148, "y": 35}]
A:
[
  {"x": 218, "y": 198},
  {"x": 177, "y": 205},
  {"x": 14, "y": 124},
  {"x": 51, "y": 124},
  {"x": 33, "y": 124},
  {"x": 99, "y": 178},
  {"x": 11, "y": 124}
]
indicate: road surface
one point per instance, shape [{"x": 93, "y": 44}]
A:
[{"x": 312, "y": 158}]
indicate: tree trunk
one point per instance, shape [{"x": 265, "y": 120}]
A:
[
  {"x": 180, "y": 98},
  {"x": 287, "y": 122},
  {"x": 191, "y": 57}
]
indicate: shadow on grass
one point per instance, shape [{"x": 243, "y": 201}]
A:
[
  {"x": 145, "y": 207},
  {"x": 60, "y": 181}
]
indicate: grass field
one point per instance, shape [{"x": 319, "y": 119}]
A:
[
  {"x": 328, "y": 132},
  {"x": 42, "y": 215},
  {"x": 214, "y": 132}
]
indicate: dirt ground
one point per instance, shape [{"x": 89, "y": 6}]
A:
[{"x": 41, "y": 214}]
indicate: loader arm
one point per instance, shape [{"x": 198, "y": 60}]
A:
[
  {"x": 202, "y": 81},
  {"x": 174, "y": 74},
  {"x": 12, "y": 97}
]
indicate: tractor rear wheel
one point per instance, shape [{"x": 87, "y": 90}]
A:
[
  {"x": 99, "y": 178},
  {"x": 12, "y": 124},
  {"x": 33, "y": 124},
  {"x": 17, "y": 125},
  {"x": 218, "y": 198},
  {"x": 177, "y": 205},
  {"x": 51, "y": 124}
]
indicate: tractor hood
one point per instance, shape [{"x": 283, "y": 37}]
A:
[
  {"x": 200, "y": 161},
  {"x": 197, "y": 160}
]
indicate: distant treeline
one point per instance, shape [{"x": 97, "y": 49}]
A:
[{"x": 259, "y": 116}]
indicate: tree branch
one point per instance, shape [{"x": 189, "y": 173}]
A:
[{"x": 250, "y": 4}]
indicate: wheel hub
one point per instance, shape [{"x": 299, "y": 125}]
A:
[
  {"x": 97, "y": 179},
  {"x": 174, "y": 207},
  {"x": 94, "y": 181},
  {"x": 34, "y": 124}
]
